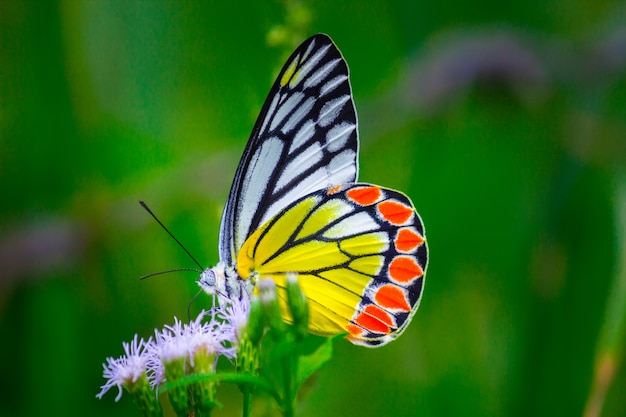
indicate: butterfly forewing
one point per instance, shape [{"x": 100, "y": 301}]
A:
[
  {"x": 305, "y": 139},
  {"x": 360, "y": 254}
]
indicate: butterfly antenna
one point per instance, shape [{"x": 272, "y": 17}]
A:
[
  {"x": 145, "y": 206},
  {"x": 169, "y": 271}
]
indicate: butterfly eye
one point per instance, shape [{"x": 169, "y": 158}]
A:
[{"x": 207, "y": 280}]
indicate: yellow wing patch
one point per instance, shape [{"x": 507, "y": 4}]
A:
[{"x": 266, "y": 241}]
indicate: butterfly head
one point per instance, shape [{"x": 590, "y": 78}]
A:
[
  {"x": 224, "y": 282},
  {"x": 213, "y": 280}
]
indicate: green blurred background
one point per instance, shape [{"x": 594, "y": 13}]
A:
[{"x": 504, "y": 121}]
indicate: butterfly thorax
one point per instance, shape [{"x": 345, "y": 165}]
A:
[{"x": 222, "y": 280}]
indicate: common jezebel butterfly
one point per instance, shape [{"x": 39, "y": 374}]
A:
[{"x": 358, "y": 249}]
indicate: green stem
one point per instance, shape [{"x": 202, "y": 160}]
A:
[
  {"x": 289, "y": 373},
  {"x": 287, "y": 398},
  {"x": 247, "y": 402}
]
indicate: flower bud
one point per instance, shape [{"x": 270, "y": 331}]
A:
[
  {"x": 144, "y": 397},
  {"x": 203, "y": 391},
  {"x": 298, "y": 306},
  {"x": 178, "y": 396},
  {"x": 267, "y": 294}
]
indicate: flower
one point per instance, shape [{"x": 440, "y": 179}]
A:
[
  {"x": 126, "y": 370},
  {"x": 236, "y": 315},
  {"x": 184, "y": 341},
  {"x": 185, "y": 349}
]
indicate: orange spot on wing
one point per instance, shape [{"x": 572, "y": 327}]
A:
[
  {"x": 395, "y": 212},
  {"x": 404, "y": 269},
  {"x": 375, "y": 319},
  {"x": 334, "y": 190},
  {"x": 407, "y": 240},
  {"x": 354, "y": 330},
  {"x": 365, "y": 196},
  {"x": 392, "y": 298}
]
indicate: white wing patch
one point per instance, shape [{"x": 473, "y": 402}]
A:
[
  {"x": 299, "y": 113},
  {"x": 308, "y": 185},
  {"x": 306, "y": 132},
  {"x": 321, "y": 74},
  {"x": 259, "y": 171},
  {"x": 338, "y": 135},
  {"x": 331, "y": 110},
  {"x": 330, "y": 85},
  {"x": 305, "y": 159},
  {"x": 342, "y": 168},
  {"x": 361, "y": 221},
  {"x": 287, "y": 107}
]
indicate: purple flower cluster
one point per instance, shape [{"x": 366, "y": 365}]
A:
[{"x": 212, "y": 335}]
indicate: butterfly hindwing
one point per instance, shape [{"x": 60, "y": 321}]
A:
[
  {"x": 305, "y": 139},
  {"x": 360, "y": 254}
]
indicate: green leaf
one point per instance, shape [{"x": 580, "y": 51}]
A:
[{"x": 308, "y": 364}]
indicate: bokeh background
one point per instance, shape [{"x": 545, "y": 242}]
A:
[{"x": 504, "y": 121}]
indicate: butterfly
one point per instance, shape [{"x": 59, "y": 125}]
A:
[{"x": 359, "y": 250}]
